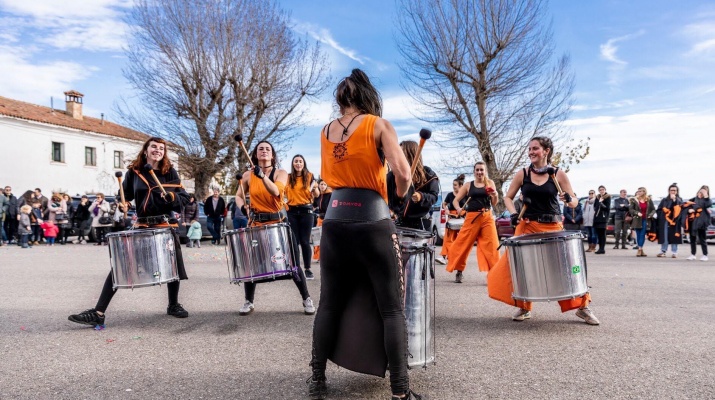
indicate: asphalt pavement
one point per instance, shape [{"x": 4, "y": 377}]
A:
[{"x": 656, "y": 339}]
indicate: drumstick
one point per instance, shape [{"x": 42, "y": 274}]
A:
[
  {"x": 243, "y": 193},
  {"x": 118, "y": 174},
  {"x": 150, "y": 170},
  {"x": 239, "y": 139},
  {"x": 551, "y": 171},
  {"x": 527, "y": 202},
  {"x": 424, "y": 135}
]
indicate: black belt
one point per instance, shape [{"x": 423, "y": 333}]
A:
[
  {"x": 302, "y": 209},
  {"x": 350, "y": 204},
  {"x": 265, "y": 217},
  {"x": 156, "y": 219},
  {"x": 543, "y": 218}
]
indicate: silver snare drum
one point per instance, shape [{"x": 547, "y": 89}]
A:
[
  {"x": 142, "y": 257},
  {"x": 417, "y": 250},
  {"x": 260, "y": 253},
  {"x": 455, "y": 224},
  {"x": 547, "y": 266}
]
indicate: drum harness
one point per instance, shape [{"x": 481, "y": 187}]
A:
[{"x": 157, "y": 221}]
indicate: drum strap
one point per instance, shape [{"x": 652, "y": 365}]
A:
[{"x": 351, "y": 204}]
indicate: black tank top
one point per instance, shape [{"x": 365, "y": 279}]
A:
[
  {"x": 450, "y": 199},
  {"x": 544, "y": 198},
  {"x": 478, "y": 198}
]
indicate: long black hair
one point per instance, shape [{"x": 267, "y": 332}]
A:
[
  {"x": 357, "y": 91},
  {"x": 254, "y": 154}
]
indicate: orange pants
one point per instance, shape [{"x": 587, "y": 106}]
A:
[
  {"x": 499, "y": 283},
  {"x": 478, "y": 226},
  {"x": 449, "y": 237},
  {"x": 316, "y": 247}
]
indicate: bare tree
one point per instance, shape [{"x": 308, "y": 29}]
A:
[
  {"x": 483, "y": 70},
  {"x": 207, "y": 71}
]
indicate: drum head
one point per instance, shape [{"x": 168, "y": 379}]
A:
[
  {"x": 416, "y": 233},
  {"x": 531, "y": 238}
]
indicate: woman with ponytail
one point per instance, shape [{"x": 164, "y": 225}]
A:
[{"x": 449, "y": 234}]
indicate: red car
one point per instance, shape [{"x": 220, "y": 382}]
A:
[{"x": 503, "y": 223}]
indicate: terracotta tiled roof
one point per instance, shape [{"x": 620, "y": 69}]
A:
[{"x": 33, "y": 112}]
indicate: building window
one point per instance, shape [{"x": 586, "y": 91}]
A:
[
  {"x": 90, "y": 156},
  {"x": 118, "y": 159},
  {"x": 58, "y": 152}
]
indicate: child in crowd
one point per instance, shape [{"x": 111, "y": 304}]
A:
[
  {"x": 50, "y": 230},
  {"x": 24, "y": 228},
  {"x": 35, "y": 221},
  {"x": 194, "y": 234}
]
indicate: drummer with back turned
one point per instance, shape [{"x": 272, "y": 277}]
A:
[
  {"x": 265, "y": 184},
  {"x": 154, "y": 210},
  {"x": 542, "y": 214}
]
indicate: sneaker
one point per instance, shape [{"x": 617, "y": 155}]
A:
[
  {"x": 246, "y": 309},
  {"x": 177, "y": 310},
  {"x": 615, "y": 247},
  {"x": 410, "y": 395},
  {"x": 704, "y": 258},
  {"x": 675, "y": 255},
  {"x": 623, "y": 247},
  {"x": 459, "y": 277},
  {"x": 691, "y": 258},
  {"x": 83, "y": 242},
  {"x": 75, "y": 241},
  {"x": 441, "y": 260},
  {"x": 661, "y": 255},
  {"x": 308, "y": 306},
  {"x": 317, "y": 389},
  {"x": 587, "y": 315},
  {"x": 309, "y": 275},
  {"x": 521, "y": 315},
  {"x": 188, "y": 246},
  {"x": 87, "y": 317}
]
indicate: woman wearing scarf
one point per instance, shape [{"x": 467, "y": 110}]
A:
[
  {"x": 669, "y": 222},
  {"x": 97, "y": 210}
]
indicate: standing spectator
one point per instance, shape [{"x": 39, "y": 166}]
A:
[
  {"x": 698, "y": 220},
  {"x": 35, "y": 222},
  {"x": 239, "y": 216},
  {"x": 50, "y": 230},
  {"x": 27, "y": 198},
  {"x": 621, "y": 226},
  {"x": 11, "y": 221},
  {"x": 190, "y": 213},
  {"x": 588, "y": 213},
  {"x": 57, "y": 214},
  {"x": 669, "y": 221},
  {"x": 117, "y": 213},
  {"x": 99, "y": 209},
  {"x": 321, "y": 207},
  {"x": 214, "y": 208},
  {"x": 194, "y": 235},
  {"x": 642, "y": 210},
  {"x": 573, "y": 217},
  {"x": 44, "y": 203},
  {"x": 65, "y": 224},
  {"x": 602, "y": 208},
  {"x": 3, "y": 211},
  {"x": 82, "y": 220},
  {"x": 24, "y": 225}
]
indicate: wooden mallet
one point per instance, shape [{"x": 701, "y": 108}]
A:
[
  {"x": 239, "y": 139},
  {"x": 118, "y": 174},
  {"x": 150, "y": 170},
  {"x": 526, "y": 202},
  {"x": 552, "y": 173},
  {"x": 424, "y": 135}
]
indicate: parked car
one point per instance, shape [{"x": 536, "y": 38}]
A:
[
  {"x": 503, "y": 223},
  {"x": 439, "y": 219}
]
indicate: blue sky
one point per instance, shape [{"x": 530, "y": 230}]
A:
[{"x": 645, "y": 91}]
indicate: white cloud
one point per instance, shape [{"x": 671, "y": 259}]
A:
[
  {"x": 326, "y": 37},
  {"x": 608, "y": 51}
]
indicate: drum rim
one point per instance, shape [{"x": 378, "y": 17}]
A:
[
  {"x": 412, "y": 232},
  {"x": 531, "y": 238},
  {"x": 139, "y": 232},
  {"x": 257, "y": 228}
]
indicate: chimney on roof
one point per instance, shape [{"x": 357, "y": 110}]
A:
[{"x": 73, "y": 101}]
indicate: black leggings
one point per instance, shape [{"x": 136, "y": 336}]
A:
[
  {"x": 108, "y": 293},
  {"x": 362, "y": 248},
  {"x": 698, "y": 233},
  {"x": 601, "y": 233},
  {"x": 301, "y": 223}
]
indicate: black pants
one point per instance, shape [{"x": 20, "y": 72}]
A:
[
  {"x": 301, "y": 223},
  {"x": 601, "y": 233},
  {"x": 99, "y": 232},
  {"x": 349, "y": 248},
  {"x": 10, "y": 225},
  {"x": 698, "y": 234},
  {"x": 214, "y": 226}
]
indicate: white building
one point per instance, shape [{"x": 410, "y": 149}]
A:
[{"x": 63, "y": 151}]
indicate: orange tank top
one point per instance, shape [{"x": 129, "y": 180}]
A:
[
  {"x": 300, "y": 194},
  {"x": 354, "y": 163},
  {"x": 261, "y": 200}
]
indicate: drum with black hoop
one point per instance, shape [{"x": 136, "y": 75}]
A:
[
  {"x": 142, "y": 257},
  {"x": 455, "y": 224},
  {"x": 547, "y": 266},
  {"x": 260, "y": 253},
  {"x": 417, "y": 250}
]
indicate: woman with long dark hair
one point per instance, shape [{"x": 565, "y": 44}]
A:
[
  {"x": 265, "y": 184},
  {"x": 669, "y": 222},
  {"x": 360, "y": 261},
  {"x": 602, "y": 209},
  {"x": 449, "y": 234},
  {"x": 300, "y": 192},
  {"x": 154, "y": 210},
  {"x": 697, "y": 221}
]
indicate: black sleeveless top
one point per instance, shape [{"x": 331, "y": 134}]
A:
[
  {"x": 544, "y": 198},
  {"x": 450, "y": 198},
  {"x": 479, "y": 199}
]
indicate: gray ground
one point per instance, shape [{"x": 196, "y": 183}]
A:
[{"x": 656, "y": 340}]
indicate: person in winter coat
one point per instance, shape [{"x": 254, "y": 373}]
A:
[
  {"x": 82, "y": 220},
  {"x": 602, "y": 209},
  {"x": 670, "y": 223},
  {"x": 3, "y": 211},
  {"x": 50, "y": 230},
  {"x": 214, "y": 208},
  {"x": 642, "y": 209},
  {"x": 697, "y": 220},
  {"x": 36, "y": 221},
  {"x": 573, "y": 217},
  {"x": 24, "y": 227},
  {"x": 190, "y": 213},
  {"x": 10, "y": 223},
  {"x": 99, "y": 208},
  {"x": 589, "y": 211},
  {"x": 194, "y": 235},
  {"x": 620, "y": 225}
]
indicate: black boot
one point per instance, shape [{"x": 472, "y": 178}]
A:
[{"x": 317, "y": 387}]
